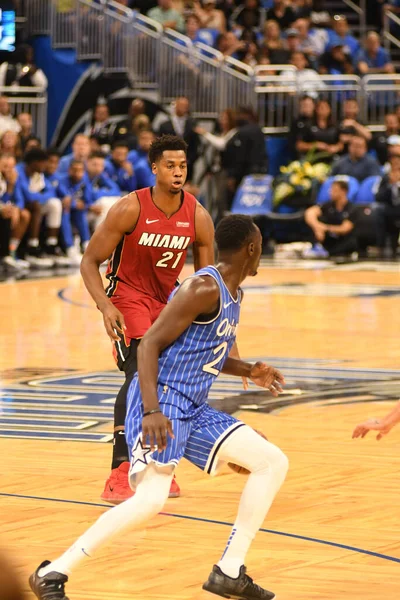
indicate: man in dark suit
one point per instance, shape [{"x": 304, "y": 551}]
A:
[{"x": 183, "y": 125}]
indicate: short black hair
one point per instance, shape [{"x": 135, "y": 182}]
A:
[
  {"x": 342, "y": 182},
  {"x": 97, "y": 155},
  {"x": 34, "y": 155},
  {"x": 233, "y": 232},
  {"x": 53, "y": 152},
  {"x": 120, "y": 144},
  {"x": 165, "y": 142}
]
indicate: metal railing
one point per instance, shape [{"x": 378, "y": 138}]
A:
[
  {"x": 117, "y": 28},
  {"x": 32, "y": 100},
  {"x": 38, "y": 17},
  {"x": 206, "y": 84},
  {"x": 360, "y": 9},
  {"x": 381, "y": 95},
  {"x": 63, "y": 23},
  {"x": 143, "y": 52},
  {"x": 390, "y": 22}
]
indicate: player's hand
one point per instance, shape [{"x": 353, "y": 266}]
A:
[
  {"x": 155, "y": 431},
  {"x": 114, "y": 322},
  {"x": 267, "y": 377},
  {"x": 372, "y": 425}
]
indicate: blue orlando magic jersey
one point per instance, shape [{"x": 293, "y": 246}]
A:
[{"x": 190, "y": 365}]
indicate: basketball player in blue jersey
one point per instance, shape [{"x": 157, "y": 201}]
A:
[{"x": 168, "y": 418}]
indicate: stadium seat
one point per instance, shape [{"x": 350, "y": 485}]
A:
[
  {"x": 253, "y": 196},
  {"x": 367, "y": 190},
  {"x": 323, "y": 194}
]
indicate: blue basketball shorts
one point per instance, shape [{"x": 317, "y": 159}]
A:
[{"x": 199, "y": 433}]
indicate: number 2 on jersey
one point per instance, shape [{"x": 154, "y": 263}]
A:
[
  {"x": 220, "y": 352},
  {"x": 167, "y": 258}
]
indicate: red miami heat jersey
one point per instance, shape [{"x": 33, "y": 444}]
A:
[{"x": 147, "y": 262}]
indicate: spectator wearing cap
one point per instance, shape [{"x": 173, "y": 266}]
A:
[
  {"x": 357, "y": 163},
  {"x": 340, "y": 32},
  {"x": 380, "y": 141},
  {"x": 210, "y": 17},
  {"x": 336, "y": 60},
  {"x": 373, "y": 58},
  {"x": 282, "y": 13},
  {"x": 351, "y": 124},
  {"x": 333, "y": 223}
]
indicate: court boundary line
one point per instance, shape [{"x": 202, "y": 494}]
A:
[{"x": 216, "y": 522}]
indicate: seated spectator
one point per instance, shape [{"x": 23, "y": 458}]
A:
[
  {"x": 10, "y": 144},
  {"x": 380, "y": 139},
  {"x": 249, "y": 54},
  {"x": 80, "y": 151},
  {"x": 351, "y": 125},
  {"x": 125, "y": 130},
  {"x": 197, "y": 34},
  {"x": 274, "y": 46},
  {"x": 301, "y": 123},
  {"x": 335, "y": 61},
  {"x": 357, "y": 163},
  {"x": 305, "y": 80},
  {"x": 22, "y": 71},
  {"x": 229, "y": 45},
  {"x": 387, "y": 211},
  {"x": 120, "y": 169},
  {"x": 247, "y": 16},
  {"x": 145, "y": 139},
  {"x": 105, "y": 192},
  {"x": 311, "y": 41},
  {"x": 183, "y": 125},
  {"x": 272, "y": 38},
  {"x": 32, "y": 142},
  {"x": 373, "y": 58},
  {"x": 167, "y": 16},
  {"x": 282, "y": 13},
  {"x": 77, "y": 196},
  {"x": 102, "y": 129},
  {"x": 333, "y": 223},
  {"x": 51, "y": 172},
  {"x": 37, "y": 195},
  {"x": 7, "y": 121},
  {"x": 340, "y": 33},
  {"x": 210, "y": 17},
  {"x": 14, "y": 219},
  {"x": 322, "y": 133},
  {"x": 25, "y": 122}
]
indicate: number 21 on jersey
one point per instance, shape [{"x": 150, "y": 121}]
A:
[{"x": 167, "y": 258}]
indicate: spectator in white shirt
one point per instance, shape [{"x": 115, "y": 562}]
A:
[
  {"x": 307, "y": 81},
  {"x": 7, "y": 122},
  {"x": 311, "y": 41}
]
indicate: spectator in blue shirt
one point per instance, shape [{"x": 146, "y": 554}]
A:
[
  {"x": 196, "y": 33},
  {"x": 105, "y": 192},
  {"x": 37, "y": 195},
  {"x": 77, "y": 197},
  {"x": 357, "y": 163},
  {"x": 51, "y": 172},
  {"x": 119, "y": 169},
  {"x": 14, "y": 219},
  {"x": 144, "y": 175},
  {"x": 80, "y": 151},
  {"x": 340, "y": 33},
  {"x": 145, "y": 139},
  {"x": 374, "y": 58}
]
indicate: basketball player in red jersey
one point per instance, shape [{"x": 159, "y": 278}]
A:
[{"x": 148, "y": 234}]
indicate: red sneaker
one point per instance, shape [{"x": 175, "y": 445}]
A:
[{"x": 117, "y": 488}]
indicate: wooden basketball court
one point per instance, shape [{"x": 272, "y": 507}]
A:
[{"x": 334, "y": 529}]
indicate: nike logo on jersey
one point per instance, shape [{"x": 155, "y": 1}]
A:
[
  {"x": 153, "y": 221},
  {"x": 226, "y": 305}
]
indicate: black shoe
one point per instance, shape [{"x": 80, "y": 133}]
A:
[
  {"x": 50, "y": 586},
  {"x": 241, "y": 588}
]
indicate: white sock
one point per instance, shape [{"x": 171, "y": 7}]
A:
[
  {"x": 149, "y": 499},
  {"x": 268, "y": 467},
  {"x": 52, "y": 241},
  {"x": 33, "y": 242}
]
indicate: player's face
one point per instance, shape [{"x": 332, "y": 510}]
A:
[
  {"x": 256, "y": 248},
  {"x": 171, "y": 171}
]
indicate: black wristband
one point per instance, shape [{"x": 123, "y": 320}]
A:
[{"x": 151, "y": 412}]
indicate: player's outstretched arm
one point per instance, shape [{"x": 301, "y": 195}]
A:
[
  {"x": 197, "y": 295},
  {"x": 259, "y": 373},
  {"x": 121, "y": 218},
  {"x": 383, "y": 426},
  {"x": 203, "y": 247}
]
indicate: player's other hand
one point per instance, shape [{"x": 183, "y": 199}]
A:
[
  {"x": 155, "y": 431},
  {"x": 114, "y": 322},
  {"x": 371, "y": 425},
  {"x": 267, "y": 377}
]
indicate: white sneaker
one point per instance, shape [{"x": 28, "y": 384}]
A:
[
  {"x": 22, "y": 264},
  {"x": 11, "y": 264},
  {"x": 37, "y": 261},
  {"x": 74, "y": 256}
]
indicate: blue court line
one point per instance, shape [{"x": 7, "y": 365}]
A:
[
  {"x": 214, "y": 522},
  {"x": 63, "y": 297}
]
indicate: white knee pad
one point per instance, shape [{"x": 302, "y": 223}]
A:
[{"x": 52, "y": 209}]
